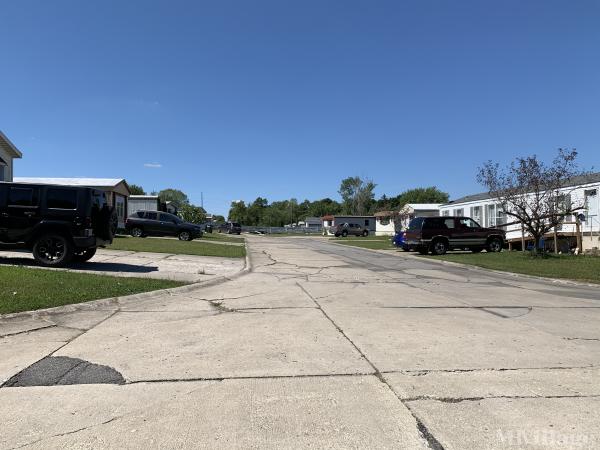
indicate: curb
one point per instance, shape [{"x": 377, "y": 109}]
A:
[
  {"x": 565, "y": 281},
  {"x": 113, "y": 302}
]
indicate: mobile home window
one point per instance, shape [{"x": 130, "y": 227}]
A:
[
  {"x": 61, "y": 198},
  {"x": 459, "y": 212},
  {"x": 490, "y": 216},
  {"x": 366, "y": 222}
]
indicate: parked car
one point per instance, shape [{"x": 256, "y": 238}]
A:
[
  {"x": 440, "y": 234},
  {"x": 350, "y": 228},
  {"x": 399, "y": 240},
  {"x": 58, "y": 224},
  {"x": 158, "y": 223},
  {"x": 230, "y": 228}
]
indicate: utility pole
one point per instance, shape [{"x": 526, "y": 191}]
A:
[{"x": 202, "y": 199}]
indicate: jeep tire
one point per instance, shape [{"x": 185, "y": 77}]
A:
[
  {"x": 52, "y": 250},
  {"x": 439, "y": 247},
  {"x": 494, "y": 245}
]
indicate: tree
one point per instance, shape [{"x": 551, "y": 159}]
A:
[
  {"x": 238, "y": 212},
  {"x": 535, "y": 194},
  {"x": 136, "y": 190},
  {"x": 192, "y": 213},
  {"x": 357, "y": 195},
  {"x": 256, "y": 211},
  {"x": 174, "y": 195},
  {"x": 218, "y": 218},
  {"x": 419, "y": 195}
]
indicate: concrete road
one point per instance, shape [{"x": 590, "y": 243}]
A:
[
  {"x": 122, "y": 263},
  {"x": 321, "y": 346}
]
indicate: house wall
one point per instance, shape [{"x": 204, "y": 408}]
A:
[
  {"x": 141, "y": 204},
  {"x": 6, "y": 172},
  {"x": 384, "y": 226},
  {"x": 488, "y": 214}
]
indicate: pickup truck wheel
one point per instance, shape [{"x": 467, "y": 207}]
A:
[
  {"x": 52, "y": 250},
  {"x": 439, "y": 247},
  {"x": 494, "y": 245},
  {"x": 84, "y": 255},
  {"x": 365, "y": 233},
  {"x": 344, "y": 233},
  {"x": 137, "y": 232},
  {"x": 185, "y": 236}
]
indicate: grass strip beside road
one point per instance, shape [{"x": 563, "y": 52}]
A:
[
  {"x": 373, "y": 244},
  {"x": 26, "y": 289},
  {"x": 195, "y": 247},
  {"x": 580, "y": 268},
  {"x": 215, "y": 236}
]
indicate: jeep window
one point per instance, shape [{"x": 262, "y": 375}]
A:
[
  {"x": 235, "y": 224},
  {"x": 151, "y": 215},
  {"x": 98, "y": 199},
  {"x": 466, "y": 222},
  {"x": 434, "y": 223},
  {"x": 61, "y": 198},
  {"x": 415, "y": 224},
  {"x": 21, "y": 197}
]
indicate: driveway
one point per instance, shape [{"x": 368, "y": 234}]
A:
[
  {"x": 189, "y": 268},
  {"x": 320, "y": 346}
]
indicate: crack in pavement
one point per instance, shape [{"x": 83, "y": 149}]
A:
[
  {"x": 508, "y": 397},
  {"x": 433, "y": 443}
]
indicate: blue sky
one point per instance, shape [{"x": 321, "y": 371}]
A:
[{"x": 282, "y": 99}]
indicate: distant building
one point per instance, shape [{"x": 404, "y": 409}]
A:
[
  {"x": 388, "y": 222},
  {"x": 330, "y": 221},
  {"x": 8, "y": 152},
  {"x": 116, "y": 189},
  {"x": 313, "y": 223},
  {"x": 142, "y": 203}
]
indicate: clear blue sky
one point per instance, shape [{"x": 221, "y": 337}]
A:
[{"x": 283, "y": 99}]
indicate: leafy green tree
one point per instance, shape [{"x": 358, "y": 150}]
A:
[
  {"x": 238, "y": 212},
  {"x": 136, "y": 189},
  {"x": 417, "y": 195},
  {"x": 176, "y": 196},
  {"x": 357, "y": 195},
  {"x": 256, "y": 211},
  {"x": 218, "y": 218},
  {"x": 192, "y": 213}
]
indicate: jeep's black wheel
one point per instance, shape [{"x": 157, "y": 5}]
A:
[
  {"x": 439, "y": 247},
  {"x": 52, "y": 250},
  {"x": 365, "y": 233},
  {"x": 494, "y": 245},
  {"x": 85, "y": 255},
  {"x": 185, "y": 236},
  {"x": 344, "y": 233},
  {"x": 423, "y": 250},
  {"x": 137, "y": 232}
]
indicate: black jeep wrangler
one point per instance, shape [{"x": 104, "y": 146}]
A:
[{"x": 59, "y": 224}]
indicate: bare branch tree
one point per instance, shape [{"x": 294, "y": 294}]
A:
[{"x": 533, "y": 193}]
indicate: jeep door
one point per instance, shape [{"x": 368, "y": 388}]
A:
[
  {"x": 471, "y": 233},
  {"x": 21, "y": 213}
]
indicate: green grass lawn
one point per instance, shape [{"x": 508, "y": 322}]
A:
[
  {"x": 25, "y": 289},
  {"x": 195, "y": 247},
  {"x": 371, "y": 242},
  {"x": 582, "y": 268},
  {"x": 223, "y": 237}
]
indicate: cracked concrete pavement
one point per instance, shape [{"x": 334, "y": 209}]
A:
[
  {"x": 122, "y": 263},
  {"x": 319, "y": 346}
]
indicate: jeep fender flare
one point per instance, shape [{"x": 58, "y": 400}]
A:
[{"x": 48, "y": 226}]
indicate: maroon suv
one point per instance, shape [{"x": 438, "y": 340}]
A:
[{"x": 440, "y": 234}]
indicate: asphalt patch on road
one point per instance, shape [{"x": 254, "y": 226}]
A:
[{"x": 61, "y": 371}]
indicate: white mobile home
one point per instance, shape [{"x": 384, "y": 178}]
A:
[
  {"x": 8, "y": 152},
  {"x": 388, "y": 222},
  {"x": 330, "y": 222},
  {"x": 582, "y": 191},
  {"x": 142, "y": 203}
]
